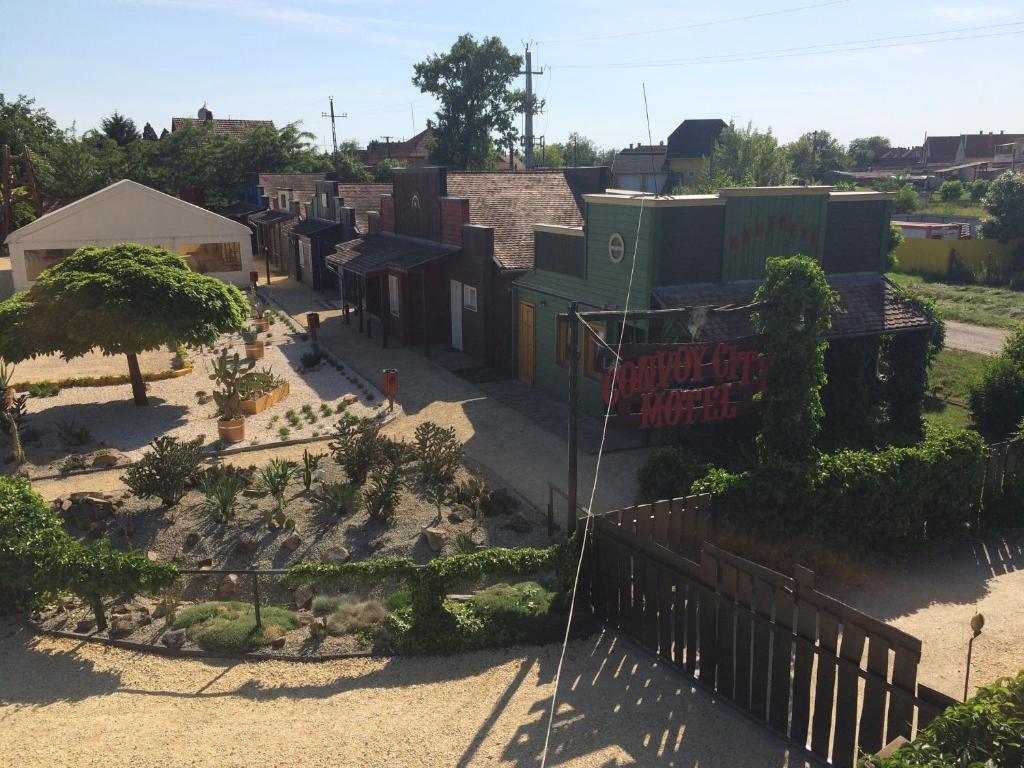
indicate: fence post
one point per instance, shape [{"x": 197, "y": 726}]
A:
[{"x": 256, "y": 597}]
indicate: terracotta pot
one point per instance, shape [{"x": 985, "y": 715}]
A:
[
  {"x": 261, "y": 324},
  {"x": 231, "y": 431},
  {"x": 254, "y": 350}
]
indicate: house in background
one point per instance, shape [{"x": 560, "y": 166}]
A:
[
  {"x": 641, "y": 168},
  {"x": 438, "y": 264},
  {"x": 236, "y": 129},
  {"x": 690, "y": 147},
  {"x": 129, "y": 212},
  {"x": 411, "y": 153}
]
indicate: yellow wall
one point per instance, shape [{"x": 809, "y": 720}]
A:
[
  {"x": 683, "y": 166},
  {"x": 934, "y": 256}
]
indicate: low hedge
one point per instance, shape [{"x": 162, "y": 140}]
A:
[
  {"x": 38, "y": 559},
  {"x": 865, "y": 499},
  {"x": 986, "y": 730}
]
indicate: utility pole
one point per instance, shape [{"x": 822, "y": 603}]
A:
[
  {"x": 334, "y": 132},
  {"x": 528, "y": 109}
]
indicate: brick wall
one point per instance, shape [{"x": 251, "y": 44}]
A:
[
  {"x": 387, "y": 213},
  {"x": 454, "y": 213}
]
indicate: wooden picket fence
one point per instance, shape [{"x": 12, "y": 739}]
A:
[
  {"x": 788, "y": 655},
  {"x": 1002, "y": 463}
]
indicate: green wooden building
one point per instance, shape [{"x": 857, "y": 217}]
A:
[{"x": 698, "y": 251}]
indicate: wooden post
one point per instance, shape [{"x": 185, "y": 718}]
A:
[
  {"x": 574, "y": 360},
  {"x": 256, "y": 597}
]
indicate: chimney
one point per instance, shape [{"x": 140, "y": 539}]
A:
[
  {"x": 661, "y": 143},
  {"x": 631, "y": 145}
]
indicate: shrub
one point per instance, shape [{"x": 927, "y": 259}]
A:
[
  {"x": 220, "y": 487},
  {"x": 353, "y": 616},
  {"x": 950, "y": 191},
  {"x": 516, "y": 613},
  {"x": 439, "y": 452},
  {"x": 72, "y": 435},
  {"x": 356, "y": 446},
  {"x": 984, "y": 730},
  {"x": 906, "y": 199},
  {"x": 44, "y": 389},
  {"x": 275, "y": 478},
  {"x": 339, "y": 499},
  {"x": 996, "y": 399},
  {"x": 231, "y": 627},
  {"x": 978, "y": 189},
  {"x": 312, "y": 358},
  {"x": 381, "y": 497},
  {"x": 166, "y": 471},
  {"x": 310, "y": 464},
  {"x": 74, "y": 462},
  {"x": 668, "y": 472}
]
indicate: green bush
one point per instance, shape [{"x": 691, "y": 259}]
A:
[
  {"x": 385, "y": 487},
  {"x": 506, "y": 614},
  {"x": 668, "y": 472},
  {"x": 231, "y": 626},
  {"x": 439, "y": 452},
  {"x": 951, "y": 191},
  {"x": 906, "y": 199},
  {"x": 996, "y": 399},
  {"x": 978, "y": 189},
  {"x": 869, "y": 500},
  {"x": 986, "y": 730},
  {"x": 357, "y": 445},
  {"x": 167, "y": 471}
]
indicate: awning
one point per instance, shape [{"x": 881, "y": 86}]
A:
[
  {"x": 374, "y": 253},
  {"x": 869, "y": 305}
]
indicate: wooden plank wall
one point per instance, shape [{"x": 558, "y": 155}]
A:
[{"x": 827, "y": 677}]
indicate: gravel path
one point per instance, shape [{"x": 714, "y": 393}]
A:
[
  {"x": 975, "y": 338},
  {"x": 69, "y": 704}
]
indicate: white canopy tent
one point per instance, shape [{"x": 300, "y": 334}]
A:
[{"x": 129, "y": 212}]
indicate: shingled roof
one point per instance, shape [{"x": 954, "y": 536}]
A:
[
  {"x": 511, "y": 203},
  {"x": 643, "y": 158},
  {"x": 386, "y": 251},
  {"x": 364, "y": 198},
  {"x": 868, "y": 305},
  {"x": 236, "y": 129},
  {"x": 982, "y": 146},
  {"x": 942, "y": 149},
  {"x": 695, "y": 138}
]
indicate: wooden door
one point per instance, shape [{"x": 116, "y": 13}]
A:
[{"x": 527, "y": 341}]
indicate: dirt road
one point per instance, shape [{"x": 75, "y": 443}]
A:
[
  {"x": 68, "y": 704},
  {"x": 975, "y": 338}
]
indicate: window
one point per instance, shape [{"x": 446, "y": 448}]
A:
[
  {"x": 38, "y": 261},
  {"x": 323, "y": 201},
  {"x": 304, "y": 257},
  {"x": 212, "y": 257},
  {"x": 593, "y": 360},
  {"x": 616, "y": 247},
  {"x": 394, "y": 299},
  {"x": 282, "y": 200},
  {"x": 469, "y": 297}
]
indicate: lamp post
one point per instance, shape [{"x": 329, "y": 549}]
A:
[{"x": 977, "y": 622}]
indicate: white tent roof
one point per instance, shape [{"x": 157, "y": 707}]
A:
[{"x": 126, "y": 211}]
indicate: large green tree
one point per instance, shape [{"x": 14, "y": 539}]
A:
[
  {"x": 478, "y": 105},
  {"x": 1004, "y": 202},
  {"x": 748, "y": 157},
  {"x": 120, "y": 128},
  {"x": 816, "y": 153},
  {"x": 864, "y": 152},
  {"x": 122, "y": 300}
]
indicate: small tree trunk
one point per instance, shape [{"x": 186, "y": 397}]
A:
[
  {"x": 138, "y": 385},
  {"x": 97, "y": 610}
]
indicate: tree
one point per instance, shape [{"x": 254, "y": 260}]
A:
[
  {"x": 550, "y": 155},
  {"x": 951, "y": 190},
  {"x": 23, "y": 124},
  {"x": 122, "y": 300},
  {"x": 148, "y": 133},
  {"x": 382, "y": 171},
  {"x": 119, "y": 128},
  {"x": 1005, "y": 203},
  {"x": 815, "y": 154},
  {"x": 350, "y": 168},
  {"x": 906, "y": 200},
  {"x": 864, "y": 152},
  {"x": 578, "y": 150},
  {"x": 748, "y": 157},
  {"x": 478, "y": 107}
]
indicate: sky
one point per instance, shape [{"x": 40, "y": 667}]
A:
[{"x": 899, "y": 68}]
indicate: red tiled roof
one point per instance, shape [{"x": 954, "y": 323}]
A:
[
  {"x": 236, "y": 129},
  {"x": 364, "y": 198},
  {"x": 511, "y": 203},
  {"x": 413, "y": 151}
]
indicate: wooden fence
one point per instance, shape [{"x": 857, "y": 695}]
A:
[
  {"x": 1001, "y": 467},
  {"x": 782, "y": 651}
]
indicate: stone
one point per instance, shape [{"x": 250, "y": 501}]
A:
[
  {"x": 159, "y": 610},
  {"x": 246, "y": 544},
  {"x": 304, "y": 617},
  {"x": 121, "y": 625},
  {"x": 253, "y": 493},
  {"x": 152, "y": 556},
  {"x": 191, "y": 539},
  {"x": 436, "y": 537},
  {"x": 228, "y": 586},
  {"x": 518, "y": 523},
  {"x": 173, "y": 639},
  {"x": 292, "y": 542},
  {"x": 303, "y": 596},
  {"x": 336, "y": 555},
  {"x": 85, "y": 625},
  {"x": 349, "y": 399},
  {"x": 278, "y": 642},
  {"x": 318, "y": 628},
  {"x": 107, "y": 460},
  {"x": 87, "y": 508},
  {"x": 375, "y": 545}
]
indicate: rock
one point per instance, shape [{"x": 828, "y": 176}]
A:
[
  {"x": 303, "y": 596},
  {"x": 246, "y": 544},
  {"x": 191, "y": 539},
  {"x": 228, "y": 586},
  {"x": 278, "y": 642},
  {"x": 205, "y": 563},
  {"x": 159, "y": 610},
  {"x": 142, "y": 620},
  {"x": 350, "y": 399},
  {"x": 253, "y": 493},
  {"x": 152, "y": 556},
  {"x": 138, "y": 607},
  {"x": 86, "y": 508},
  {"x": 121, "y": 625},
  {"x": 85, "y": 625},
  {"x": 107, "y": 460},
  {"x": 336, "y": 555},
  {"x": 436, "y": 537},
  {"x": 318, "y": 628},
  {"x": 375, "y": 545},
  {"x": 292, "y": 542},
  {"x": 173, "y": 639},
  {"x": 518, "y": 523},
  {"x": 454, "y": 517},
  {"x": 304, "y": 617}
]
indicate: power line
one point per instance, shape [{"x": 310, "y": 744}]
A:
[
  {"x": 810, "y": 50},
  {"x": 698, "y": 25}
]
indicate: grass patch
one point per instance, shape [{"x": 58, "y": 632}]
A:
[
  {"x": 978, "y": 304},
  {"x": 949, "y": 380},
  {"x": 964, "y": 207},
  {"x": 231, "y": 626},
  {"x": 508, "y": 614}
]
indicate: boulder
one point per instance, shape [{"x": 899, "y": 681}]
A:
[
  {"x": 173, "y": 639},
  {"x": 349, "y": 399},
  {"x": 304, "y": 617},
  {"x": 436, "y": 537},
  {"x": 85, "y": 626},
  {"x": 246, "y": 544},
  {"x": 318, "y": 628},
  {"x": 303, "y": 596},
  {"x": 107, "y": 459},
  {"x": 121, "y": 625},
  {"x": 228, "y": 586},
  {"x": 277, "y": 642},
  {"x": 336, "y": 555},
  {"x": 152, "y": 556},
  {"x": 191, "y": 539},
  {"x": 293, "y": 542},
  {"x": 84, "y": 509},
  {"x": 159, "y": 610},
  {"x": 518, "y": 523}
]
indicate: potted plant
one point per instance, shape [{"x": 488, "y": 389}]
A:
[
  {"x": 262, "y": 389},
  {"x": 231, "y": 379},
  {"x": 311, "y": 360},
  {"x": 253, "y": 346},
  {"x": 258, "y": 308}
]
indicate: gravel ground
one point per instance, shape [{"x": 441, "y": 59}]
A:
[
  {"x": 55, "y": 368},
  {"x": 115, "y": 423},
  {"x": 64, "y": 703},
  {"x": 975, "y": 338}
]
